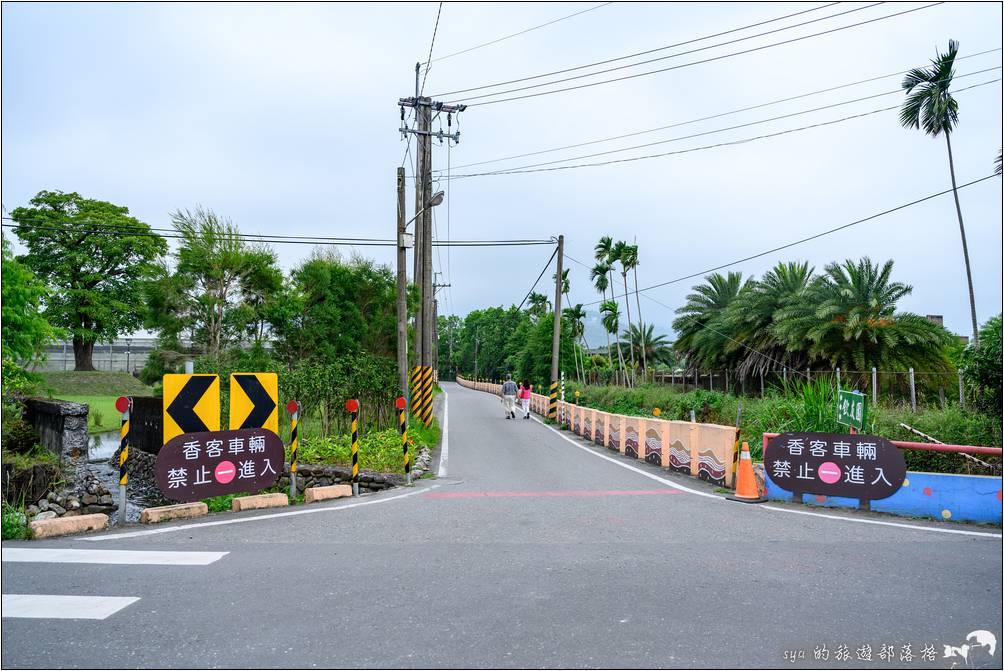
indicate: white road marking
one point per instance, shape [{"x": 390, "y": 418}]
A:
[
  {"x": 241, "y": 520},
  {"x": 840, "y": 518},
  {"x": 63, "y": 606},
  {"x": 135, "y": 557},
  {"x": 444, "y": 450},
  {"x": 939, "y": 530}
]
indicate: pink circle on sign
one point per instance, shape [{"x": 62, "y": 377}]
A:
[
  {"x": 829, "y": 472},
  {"x": 225, "y": 472}
]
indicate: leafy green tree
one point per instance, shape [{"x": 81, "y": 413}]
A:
[
  {"x": 930, "y": 105},
  {"x": 25, "y": 329},
  {"x": 573, "y": 316},
  {"x": 539, "y": 305},
  {"x": 982, "y": 364},
  {"x": 94, "y": 257}
]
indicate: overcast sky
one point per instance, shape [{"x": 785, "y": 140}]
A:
[{"x": 285, "y": 117}]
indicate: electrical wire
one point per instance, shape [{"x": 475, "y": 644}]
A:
[
  {"x": 731, "y": 112},
  {"x": 544, "y": 270},
  {"x": 802, "y": 240},
  {"x": 534, "y": 167},
  {"x": 677, "y": 67},
  {"x": 640, "y": 53},
  {"x": 522, "y": 32},
  {"x": 431, "y": 45}
]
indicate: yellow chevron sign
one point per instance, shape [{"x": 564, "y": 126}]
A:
[
  {"x": 191, "y": 404},
  {"x": 254, "y": 401}
]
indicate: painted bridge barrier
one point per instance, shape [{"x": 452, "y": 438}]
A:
[
  {"x": 703, "y": 451},
  {"x": 947, "y": 496}
]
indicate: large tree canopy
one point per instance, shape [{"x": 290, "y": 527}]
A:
[
  {"x": 25, "y": 330},
  {"x": 94, "y": 257}
]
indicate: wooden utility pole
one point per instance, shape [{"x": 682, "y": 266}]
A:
[
  {"x": 402, "y": 289},
  {"x": 424, "y": 113},
  {"x": 552, "y": 409},
  {"x": 421, "y": 196}
]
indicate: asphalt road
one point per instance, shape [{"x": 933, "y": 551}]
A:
[{"x": 534, "y": 550}]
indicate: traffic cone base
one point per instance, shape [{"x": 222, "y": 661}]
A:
[{"x": 746, "y": 489}]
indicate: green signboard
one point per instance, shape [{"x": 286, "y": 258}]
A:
[{"x": 852, "y": 408}]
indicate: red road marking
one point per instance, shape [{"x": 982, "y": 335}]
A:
[{"x": 570, "y": 492}]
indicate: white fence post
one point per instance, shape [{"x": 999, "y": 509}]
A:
[
  {"x": 913, "y": 392},
  {"x": 874, "y": 385},
  {"x": 838, "y": 378},
  {"x": 962, "y": 396}
]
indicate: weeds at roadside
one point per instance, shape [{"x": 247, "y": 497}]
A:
[{"x": 14, "y": 522}]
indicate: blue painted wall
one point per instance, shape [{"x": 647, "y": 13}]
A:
[{"x": 963, "y": 498}]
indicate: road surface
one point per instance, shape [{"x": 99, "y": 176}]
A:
[{"x": 534, "y": 550}]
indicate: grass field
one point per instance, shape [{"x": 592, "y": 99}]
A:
[{"x": 98, "y": 389}]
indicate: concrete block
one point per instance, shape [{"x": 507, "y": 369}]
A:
[
  {"x": 61, "y": 526},
  {"x": 313, "y": 494},
  {"x": 180, "y": 511},
  {"x": 273, "y": 500}
]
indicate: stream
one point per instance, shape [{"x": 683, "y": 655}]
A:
[{"x": 100, "y": 450}]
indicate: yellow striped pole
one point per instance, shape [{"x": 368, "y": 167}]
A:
[
  {"x": 402, "y": 422},
  {"x": 552, "y": 405},
  {"x": 425, "y": 409},
  {"x": 123, "y": 404},
  {"x": 352, "y": 405},
  {"x": 293, "y": 407}
]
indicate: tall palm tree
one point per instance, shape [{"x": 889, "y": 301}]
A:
[
  {"x": 611, "y": 313},
  {"x": 601, "y": 280},
  {"x": 631, "y": 259},
  {"x": 564, "y": 280},
  {"x": 622, "y": 252},
  {"x": 929, "y": 105},
  {"x": 577, "y": 329},
  {"x": 539, "y": 305}
]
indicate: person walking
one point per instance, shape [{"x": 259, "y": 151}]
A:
[
  {"x": 509, "y": 391},
  {"x": 524, "y": 398}
]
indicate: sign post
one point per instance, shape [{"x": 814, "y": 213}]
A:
[
  {"x": 852, "y": 409},
  {"x": 123, "y": 404},
  {"x": 735, "y": 448},
  {"x": 293, "y": 408},
  {"x": 352, "y": 405}
]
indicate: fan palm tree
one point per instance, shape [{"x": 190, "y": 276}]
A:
[
  {"x": 631, "y": 259},
  {"x": 599, "y": 274},
  {"x": 930, "y": 106},
  {"x": 611, "y": 314}
]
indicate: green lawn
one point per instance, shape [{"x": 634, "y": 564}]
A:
[
  {"x": 102, "y": 416},
  {"x": 93, "y": 383}
]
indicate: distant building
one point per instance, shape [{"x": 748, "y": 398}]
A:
[{"x": 940, "y": 321}]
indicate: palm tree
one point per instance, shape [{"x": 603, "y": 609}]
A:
[
  {"x": 611, "y": 322},
  {"x": 929, "y": 105},
  {"x": 622, "y": 252},
  {"x": 577, "y": 329},
  {"x": 848, "y": 318},
  {"x": 539, "y": 305},
  {"x": 701, "y": 333},
  {"x": 599, "y": 275},
  {"x": 631, "y": 259},
  {"x": 564, "y": 280},
  {"x": 649, "y": 346}
]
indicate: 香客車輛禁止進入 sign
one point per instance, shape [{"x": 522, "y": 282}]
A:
[
  {"x": 195, "y": 466},
  {"x": 854, "y": 466}
]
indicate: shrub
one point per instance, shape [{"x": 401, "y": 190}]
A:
[
  {"x": 19, "y": 437},
  {"x": 982, "y": 368},
  {"x": 14, "y": 522}
]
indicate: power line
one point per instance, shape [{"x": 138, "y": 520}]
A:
[
  {"x": 731, "y": 112},
  {"x": 544, "y": 270},
  {"x": 683, "y": 65},
  {"x": 640, "y": 53},
  {"x": 533, "y": 167},
  {"x": 522, "y": 32},
  {"x": 431, "y": 45},
  {"x": 803, "y": 240}
]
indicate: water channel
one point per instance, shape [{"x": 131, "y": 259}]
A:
[{"x": 100, "y": 450}]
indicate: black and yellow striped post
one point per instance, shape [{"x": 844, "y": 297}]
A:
[
  {"x": 552, "y": 404},
  {"x": 123, "y": 404},
  {"x": 423, "y": 406},
  {"x": 352, "y": 405},
  {"x": 402, "y": 422},
  {"x": 413, "y": 385},
  {"x": 736, "y": 448},
  {"x": 293, "y": 408}
]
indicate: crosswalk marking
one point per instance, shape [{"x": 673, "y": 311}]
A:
[
  {"x": 63, "y": 606},
  {"x": 135, "y": 557}
]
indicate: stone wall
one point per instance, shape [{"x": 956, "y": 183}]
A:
[
  {"x": 82, "y": 494},
  {"x": 61, "y": 425}
]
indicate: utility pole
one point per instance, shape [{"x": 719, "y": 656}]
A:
[
  {"x": 402, "y": 289},
  {"x": 435, "y": 325},
  {"x": 552, "y": 408}
]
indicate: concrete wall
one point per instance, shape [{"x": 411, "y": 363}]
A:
[
  {"x": 702, "y": 450},
  {"x": 61, "y": 425}
]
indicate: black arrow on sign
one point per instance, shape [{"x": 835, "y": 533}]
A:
[
  {"x": 263, "y": 403},
  {"x": 182, "y": 408}
]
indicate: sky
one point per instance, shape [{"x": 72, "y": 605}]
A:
[{"x": 284, "y": 117}]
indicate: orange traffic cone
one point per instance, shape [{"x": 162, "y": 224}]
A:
[{"x": 746, "y": 489}]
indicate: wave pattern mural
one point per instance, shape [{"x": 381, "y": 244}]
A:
[
  {"x": 710, "y": 467},
  {"x": 587, "y": 425},
  {"x": 631, "y": 440},
  {"x": 600, "y": 436},
  {"x": 653, "y": 447},
  {"x": 679, "y": 457},
  {"x": 614, "y": 437}
]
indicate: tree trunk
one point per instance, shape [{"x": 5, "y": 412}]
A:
[
  {"x": 641, "y": 326},
  {"x": 965, "y": 247},
  {"x": 83, "y": 354},
  {"x": 627, "y": 304}
]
